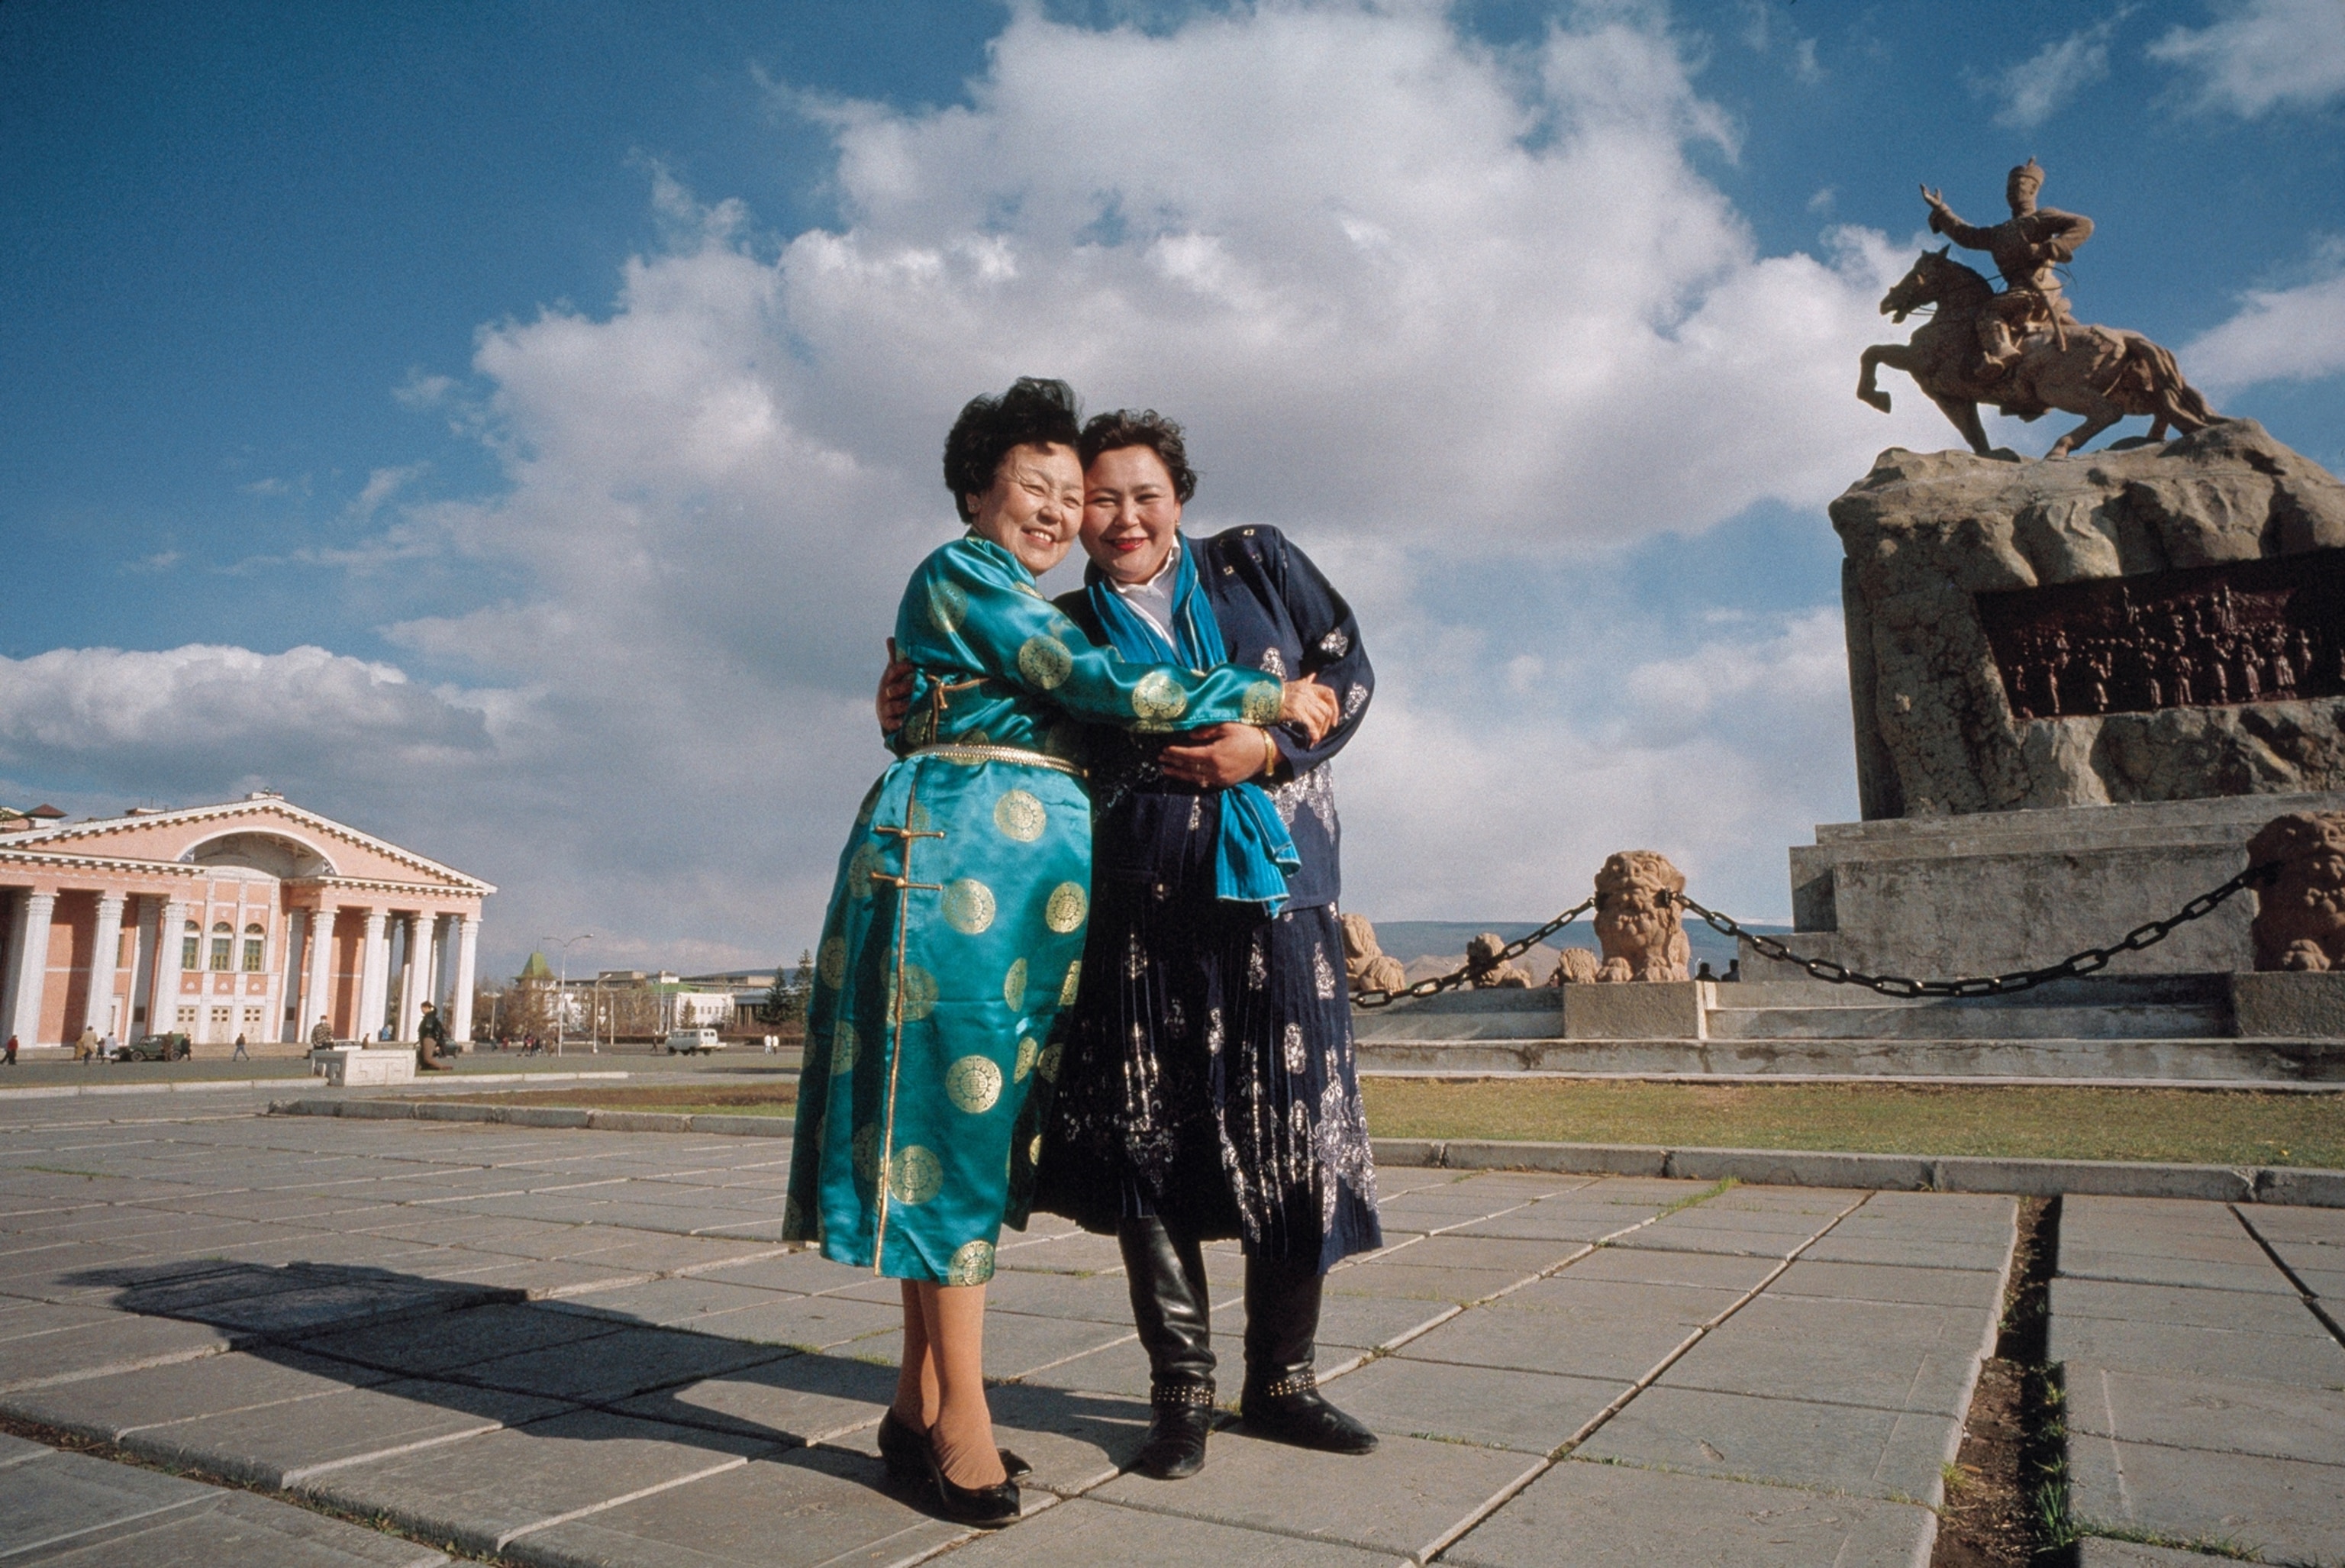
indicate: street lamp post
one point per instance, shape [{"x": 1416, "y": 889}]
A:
[{"x": 561, "y": 993}]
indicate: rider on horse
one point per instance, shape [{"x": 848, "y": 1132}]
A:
[{"x": 2026, "y": 249}]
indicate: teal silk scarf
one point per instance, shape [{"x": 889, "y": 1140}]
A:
[{"x": 1255, "y": 852}]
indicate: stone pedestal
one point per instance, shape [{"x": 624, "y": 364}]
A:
[
  {"x": 356, "y": 1067},
  {"x": 1938, "y": 897}
]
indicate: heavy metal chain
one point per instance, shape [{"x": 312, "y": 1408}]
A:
[
  {"x": 1458, "y": 977},
  {"x": 2085, "y": 962}
]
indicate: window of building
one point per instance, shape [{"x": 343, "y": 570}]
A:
[
  {"x": 187, "y": 1020},
  {"x": 190, "y": 946},
  {"x": 255, "y": 939},
  {"x": 223, "y": 944}
]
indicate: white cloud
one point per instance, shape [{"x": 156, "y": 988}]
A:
[
  {"x": 2263, "y": 55},
  {"x": 1424, "y": 306},
  {"x": 2039, "y": 86},
  {"x": 2286, "y": 334}
]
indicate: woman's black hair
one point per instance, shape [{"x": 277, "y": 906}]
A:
[
  {"x": 1141, "y": 427},
  {"x": 1034, "y": 411}
]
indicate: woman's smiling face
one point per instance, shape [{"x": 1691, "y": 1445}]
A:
[
  {"x": 1131, "y": 513},
  {"x": 1034, "y": 506}
]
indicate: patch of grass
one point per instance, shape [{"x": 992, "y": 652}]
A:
[{"x": 2192, "y": 1126}]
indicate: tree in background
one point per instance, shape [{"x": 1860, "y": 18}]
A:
[{"x": 785, "y": 999}]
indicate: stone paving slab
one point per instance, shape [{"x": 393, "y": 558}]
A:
[
  {"x": 1075, "y": 1439},
  {"x": 1402, "y": 1498},
  {"x": 2185, "y": 1306},
  {"x": 57, "y": 1499},
  {"x": 490, "y": 1489},
  {"x": 2221, "y": 1414},
  {"x": 96, "y": 1349},
  {"x": 1895, "y": 1358},
  {"x": 1085, "y": 1534},
  {"x": 446, "y": 1341},
  {"x": 2095, "y": 1553},
  {"x": 1894, "y": 1454},
  {"x": 280, "y": 1446},
  {"x": 620, "y": 1365},
  {"x": 1969, "y": 1287},
  {"x": 1705, "y": 1269},
  {"x": 2289, "y": 1511},
  {"x": 805, "y": 1507},
  {"x": 1588, "y": 1515},
  {"x": 1531, "y": 1412},
  {"x": 2173, "y": 1348},
  {"x": 250, "y": 1532},
  {"x": 1587, "y": 1341},
  {"x": 110, "y": 1408}
]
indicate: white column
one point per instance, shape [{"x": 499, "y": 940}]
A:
[
  {"x": 318, "y": 998},
  {"x": 11, "y": 971},
  {"x": 443, "y": 935},
  {"x": 460, "y": 1007},
  {"x": 163, "y": 995},
  {"x": 142, "y": 967},
  {"x": 374, "y": 965},
  {"x": 28, "y": 967},
  {"x": 414, "y": 977},
  {"x": 104, "y": 954}
]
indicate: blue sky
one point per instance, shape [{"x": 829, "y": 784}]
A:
[{"x": 508, "y": 427}]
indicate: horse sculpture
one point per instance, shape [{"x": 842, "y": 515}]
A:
[{"x": 2101, "y": 372}]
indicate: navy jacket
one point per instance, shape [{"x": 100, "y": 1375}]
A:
[{"x": 1278, "y": 613}]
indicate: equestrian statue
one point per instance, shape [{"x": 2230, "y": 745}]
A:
[{"x": 2022, "y": 348}]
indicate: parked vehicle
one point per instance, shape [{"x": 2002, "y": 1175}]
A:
[
  {"x": 692, "y": 1042},
  {"x": 154, "y": 1048}
]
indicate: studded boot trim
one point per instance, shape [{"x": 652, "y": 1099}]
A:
[
  {"x": 1180, "y": 1394},
  {"x": 1302, "y": 1383}
]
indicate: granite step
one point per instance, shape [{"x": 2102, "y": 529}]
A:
[
  {"x": 2141, "y": 1059},
  {"x": 1965, "y": 1019}
]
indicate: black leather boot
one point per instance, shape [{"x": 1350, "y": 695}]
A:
[
  {"x": 1282, "y": 1400},
  {"x": 1169, "y": 1304}
]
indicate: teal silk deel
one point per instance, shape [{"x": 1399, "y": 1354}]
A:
[{"x": 955, "y": 928}]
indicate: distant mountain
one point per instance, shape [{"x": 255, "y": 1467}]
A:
[{"x": 1410, "y": 940}]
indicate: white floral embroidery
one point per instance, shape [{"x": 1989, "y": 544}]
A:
[
  {"x": 1274, "y": 663},
  {"x": 1258, "y": 962},
  {"x": 1323, "y": 974},
  {"x": 1355, "y": 697},
  {"x": 1291, "y": 1043},
  {"x": 1335, "y": 644}
]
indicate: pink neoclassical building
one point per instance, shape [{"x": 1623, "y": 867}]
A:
[{"x": 253, "y": 917}]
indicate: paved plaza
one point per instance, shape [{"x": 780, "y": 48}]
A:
[{"x": 318, "y": 1340}]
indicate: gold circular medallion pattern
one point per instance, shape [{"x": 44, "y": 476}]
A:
[
  {"x": 969, "y": 905},
  {"x": 1261, "y": 702},
  {"x": 865, "y": 860},
  {"x": 1019, "y": 815},
  {"x": 1158, "y": 696},
  {"x": 1013, "y": 986},
  {"x": 912, "y": 996},
  {"x": 831, "y": 968},
  {"x": 1034, "y": 1150},
  {"x": 1068, "y": 986},
  {"x": 867, "y": 1153},
  {"x": 915, "y": 1174},
  {"x": 972, "y": 1263},
  {"x": 1068, "y": 905},
  {"x": 1048, "y": 1066},
  {"x": 1027, "y": 1051},
  {"x": 843, "y": 1045},
  {"x": 1045, "y": 661},
  {"x": 973, "y": 1084},
  {"x": 947, "y": 608}
]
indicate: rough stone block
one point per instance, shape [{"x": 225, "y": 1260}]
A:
[
  {"x": 1635, "y": 1010},
  {"x": 1408, "y": 1152},
  {"x": 1615, "y": 1516},
  {"x": 545, "y": 1115},
  {"x": 638, "y": 1122},
  {"x": 2295, "y": 1006},
  {"x": 376, "y": 1110},
  {"x": 2281, "y": 1184},
  {"x": 456, "y": 1111}
]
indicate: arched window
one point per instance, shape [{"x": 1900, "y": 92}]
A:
[
  {"x": 223, "y": 944},
  {"x": 255, "y": 944},
  {"x": 191, "y": 946}
]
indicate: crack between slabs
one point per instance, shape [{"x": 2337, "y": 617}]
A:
[{"x": 2304, "y": 1292}]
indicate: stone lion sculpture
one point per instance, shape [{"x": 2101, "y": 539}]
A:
[
  {"x": 1635, "y": 918},
  {"x": 2301, "y": 914},
  {"x": 1489, "y": 969},
  {"x": 1367, "y": 966},
  {"x": 1574, "y": 966}
]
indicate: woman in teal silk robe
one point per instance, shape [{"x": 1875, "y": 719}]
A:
[{"x": 956, "y": 925}]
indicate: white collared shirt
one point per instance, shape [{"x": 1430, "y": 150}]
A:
[{"x": 1154, "y": 598}]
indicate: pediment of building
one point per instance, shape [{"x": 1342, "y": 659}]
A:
[{"x": 268, "y": 835}]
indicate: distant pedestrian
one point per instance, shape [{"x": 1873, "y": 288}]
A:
[
  {"x": 431, "y": 1034},
  {"x": 240, "y": 1053},
  {"x": 85, "y": 1048},
  {"x": 773, "y": 1045},
  {"x": 11, "y": 1050},
  {"x": 109, "y": 1049},
  {"x": 322, "y": 1035}
]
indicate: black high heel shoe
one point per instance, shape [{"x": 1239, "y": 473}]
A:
[
  {"x": 906, "y": 1454},
  {"x": 987, "y": 1507}
]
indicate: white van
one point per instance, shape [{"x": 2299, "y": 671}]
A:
[{"x": 686, "y": 1042}]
